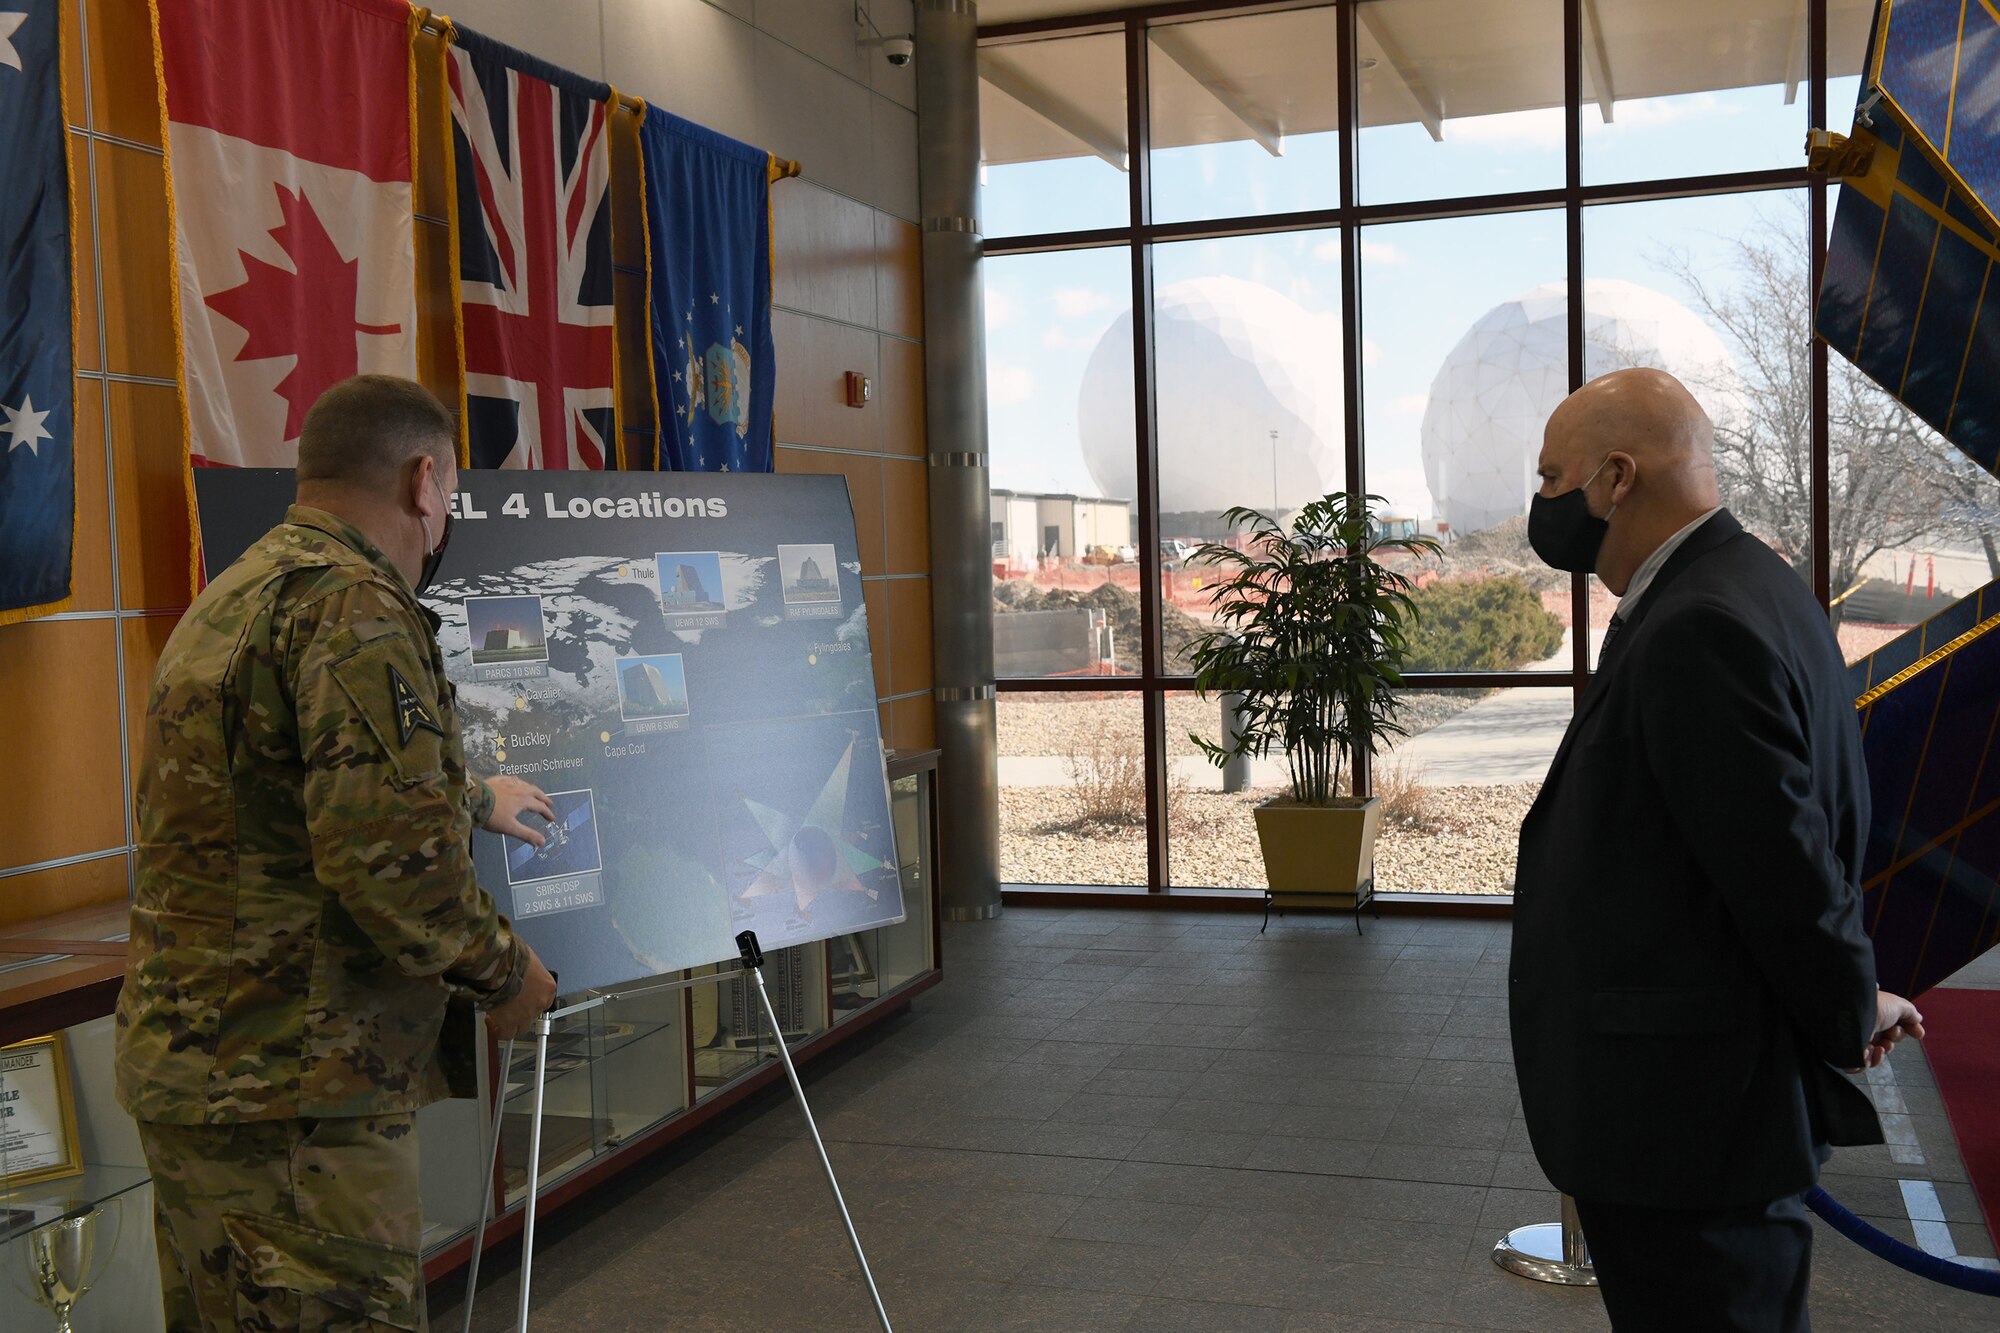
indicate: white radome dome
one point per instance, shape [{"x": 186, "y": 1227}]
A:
[
  {"x": 1482, "y": 429},
  {"x": 1234, "y": 360}
]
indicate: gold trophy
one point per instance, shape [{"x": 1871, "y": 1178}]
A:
[{"x": 65, "y": 1260}]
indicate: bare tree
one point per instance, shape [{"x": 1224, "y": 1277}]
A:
[{"x": 1893, "y": 480}]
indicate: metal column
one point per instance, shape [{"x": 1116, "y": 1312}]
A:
[{"x": 955, "y": 418}]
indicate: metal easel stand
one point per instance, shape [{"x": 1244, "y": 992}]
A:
[
  {"x": 1549, "y": 1251},
  {"x": 753, "y": 962},
  {"x": 531, "y": 1203}
]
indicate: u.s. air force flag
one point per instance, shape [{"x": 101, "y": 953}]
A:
[
  {"x": 37, "y": 464},
  {"x": 708, "y": 219}
]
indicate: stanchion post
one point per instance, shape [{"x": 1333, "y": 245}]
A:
[
  {"x": 753, "y": 963},
  {"x": 534, "y": 1169},
  {"x": 1549, "y": 1251},
  {"x": 1575, "y": 1253},
  {"x": 486, "y": 1194}
]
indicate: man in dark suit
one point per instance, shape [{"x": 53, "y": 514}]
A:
[{"x": 1689, "y": 968}]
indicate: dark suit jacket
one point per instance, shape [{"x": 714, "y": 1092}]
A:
[{"x": 1689, "y": 965}]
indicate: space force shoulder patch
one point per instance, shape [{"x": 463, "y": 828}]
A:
[{"x": 412, "y": 713}]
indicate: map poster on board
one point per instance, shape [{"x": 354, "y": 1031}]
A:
[{"x": 681, "y": 661}]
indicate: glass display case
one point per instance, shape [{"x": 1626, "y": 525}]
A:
[
  {"x": 64, "y": 1242},
  {"x": 76, "y": 1205},
  {"x": 623, "y": 1077}
]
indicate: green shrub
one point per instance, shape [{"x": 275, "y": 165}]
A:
[{"x": 1481, "y": 624}]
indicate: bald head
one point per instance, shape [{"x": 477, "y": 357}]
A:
[
  {"x": 1645, "y": 413},
  {"x": 1643, "y": 449}
]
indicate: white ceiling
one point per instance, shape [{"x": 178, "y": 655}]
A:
[{"x": 1265, "y": 76}]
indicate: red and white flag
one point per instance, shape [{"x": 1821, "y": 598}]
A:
[
  {"x": 288, "y": 142},
  {"x": 535, "y": 274}
]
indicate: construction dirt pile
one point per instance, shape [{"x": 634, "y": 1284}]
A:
[
  {"x": 1500, "y": 550},
  {"x": 1120, "y": 607}
]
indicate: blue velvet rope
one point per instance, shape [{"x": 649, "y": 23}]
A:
[{"x": 1981, "y": 1281}]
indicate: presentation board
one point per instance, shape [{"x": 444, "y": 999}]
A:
[{"x": 681, "y": 661}]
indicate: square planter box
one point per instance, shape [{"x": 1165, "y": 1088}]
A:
[{"x": 1319, "y": 856}]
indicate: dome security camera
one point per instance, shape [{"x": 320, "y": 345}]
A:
[{"x": 900, "y": 50}]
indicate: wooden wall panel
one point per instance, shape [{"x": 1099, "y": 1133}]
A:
[
  {"x": 906, "y": 514},
  {"x": 151, "y": 478},
  {"x": 826, "y": 254},
  {"x": 137, "y": 253},
  {"x": 124, "y": 95},
  {"x": 899, "y": 392},
  {"x": 916, "y": 726},
  {"x": 876, "y": 594},
  {"x": 61, "y": 677},
  {"x": 899, "y": 276},
  {"x": 83, "y": 268},
  {"x": 90, "y": 571},
  {"x": 75, "y": 110},
  {"x": 145, "y": 638},
  {"x": 814, "y": 357},
  {"x": 849, "y": 292},
  {"x": 58, "y": 889},
  {"x": 909, "y": 635}
]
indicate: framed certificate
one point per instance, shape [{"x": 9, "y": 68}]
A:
[{"x": 38, "y": 1138}]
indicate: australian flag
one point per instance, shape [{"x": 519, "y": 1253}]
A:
[
  {"x": 708, "y": 217},
  {"x": 37, "y": 462},
  {"x": 535, "y": 276}
]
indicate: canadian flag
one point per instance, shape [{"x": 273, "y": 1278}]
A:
[{"x": 288, "y": 145}]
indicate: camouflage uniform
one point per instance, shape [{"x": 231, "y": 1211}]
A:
[{"x": 305, "y": 909}]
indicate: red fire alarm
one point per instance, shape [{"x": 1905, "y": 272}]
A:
[{"x": 859, "y": 389}]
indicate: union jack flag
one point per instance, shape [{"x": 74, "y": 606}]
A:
[{"x": 535, "y": 275}]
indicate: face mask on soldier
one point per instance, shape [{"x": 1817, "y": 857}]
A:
[{"x": 433, "y": 555}]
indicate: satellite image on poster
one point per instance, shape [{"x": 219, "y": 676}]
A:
[{"x": 695, "y": 695}]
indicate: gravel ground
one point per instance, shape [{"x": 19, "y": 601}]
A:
[
  {"x": 1469, "y": 847},
  {"x": 1065, "y": 724}
]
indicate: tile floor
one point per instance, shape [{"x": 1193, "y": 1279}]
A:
[{"x": 1111, "y": 1120}]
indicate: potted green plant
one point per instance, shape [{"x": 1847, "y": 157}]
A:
[{"x": 1313, "y": 631}]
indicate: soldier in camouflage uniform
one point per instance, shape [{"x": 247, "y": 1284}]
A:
[{"x": 306, "y": 905}]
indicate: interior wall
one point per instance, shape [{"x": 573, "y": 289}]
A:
[{"x": 786, "y": 75}]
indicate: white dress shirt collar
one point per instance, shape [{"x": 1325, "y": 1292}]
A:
[{"x": 1650, "y": 567}]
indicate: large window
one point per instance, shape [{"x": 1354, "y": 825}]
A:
[{"x": 1382, "y": 275}]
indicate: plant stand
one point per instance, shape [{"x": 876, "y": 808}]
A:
[{"x": 1364, "y": 896}]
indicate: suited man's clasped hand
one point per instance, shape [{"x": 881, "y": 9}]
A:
[{"x": 1895, "y": 1019}]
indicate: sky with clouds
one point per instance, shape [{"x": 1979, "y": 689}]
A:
[{"x": 1424, "y": 283}]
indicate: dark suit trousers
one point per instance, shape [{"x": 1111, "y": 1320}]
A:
[{"x": 1725, "y": 1270}]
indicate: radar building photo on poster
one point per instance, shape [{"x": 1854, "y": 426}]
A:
[
  {"x": 809, "y": 573},
  {"x": 506, "y": 629},
  {"x": 690, "y": 582},
  {"x": 652, "y": 688}
]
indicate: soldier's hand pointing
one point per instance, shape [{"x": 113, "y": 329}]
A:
[{"x": 513, "y": 798}]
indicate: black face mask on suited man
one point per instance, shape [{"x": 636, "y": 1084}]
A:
[{"x": 1563, "y": 531}]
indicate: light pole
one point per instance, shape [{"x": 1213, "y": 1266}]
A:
[{"x": 1274, "y": 474}]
